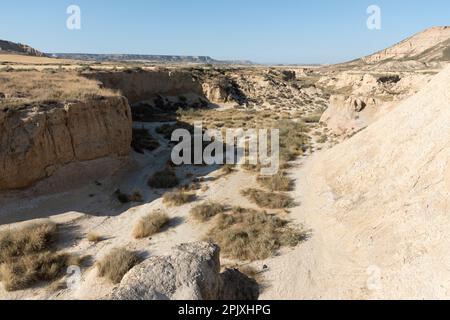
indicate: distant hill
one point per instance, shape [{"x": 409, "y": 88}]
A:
[
  {"x": 145, "y": 58},
  {"x": 431, "y": 45},
  {"x": 18, "y": 48},
  {"x": 424, "y": 50}
]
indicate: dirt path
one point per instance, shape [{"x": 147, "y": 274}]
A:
[{"x": 325, "y": 266}]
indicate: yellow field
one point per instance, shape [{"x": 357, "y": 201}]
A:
[{"x": 22, "y": 59}]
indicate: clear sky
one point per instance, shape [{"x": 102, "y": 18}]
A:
[{"x": 264, "y": 31}]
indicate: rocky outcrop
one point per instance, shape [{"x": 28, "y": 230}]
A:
[
  {"x": 18, "y": 48},
  {"x": 191, "y": 272},
  {"x": 425, "y": 46},
  {"x": 216, "y": 91},
  {"x": 37, "y": 140},
  {"x": 348, "y": 114},
  {"x": 140, "y": 85}
]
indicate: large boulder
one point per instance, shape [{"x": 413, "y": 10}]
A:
[{"x": 191, "y": 272}]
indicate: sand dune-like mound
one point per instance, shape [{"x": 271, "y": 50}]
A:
[
  {"x": 379, "y": 206},
  {"x": 429, "y": 45}
]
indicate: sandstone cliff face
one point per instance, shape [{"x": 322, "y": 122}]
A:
[
  {"x": 36, "y": 141},
  {"x": 144, "y": 85},
  {"x": 217, "y": 90}
]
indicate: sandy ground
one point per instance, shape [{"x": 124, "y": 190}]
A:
[
  {"x": 94, "y": 208},
  {"x": 322, "y": 267}
]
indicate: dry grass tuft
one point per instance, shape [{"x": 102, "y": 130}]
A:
[
  {"x": 294, "y": 140},
  {"x": 94, "y": 237},
  {"x": 164, "y": 179},
  {"x": 150, "y": 224},
  {"x": 227, "y": 169},
  {"x": 32, "y": 239},
  {"x": 315, "y": 118},
  {"x": 278, "y": 182},
  {"x": 27, "y": 87},
  {"x": 24, "y": 272},
  {"x": 205, "y": 211},
  {"x": 178, "y": 198},
  {"x": 252, "y": 235},
  {"x": 116, "y": 264},
  {"x": 27, "y": 256},
  {"x": 269, "y": 200},
  {"x": 125, "y": 198}
]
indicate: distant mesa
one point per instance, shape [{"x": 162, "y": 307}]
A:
[{"x": 144, "y": 58}]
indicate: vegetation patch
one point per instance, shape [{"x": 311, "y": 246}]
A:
[
  {"x": 251, "y": 235},
  {"x": 164, "y": 179},
  {"x": 150, "y": 224},
  {"x": 29, "y": 87},
  {"x": 142, "y": 140},
  {"x": 278, "y": 182},
  {"x": 94, "y": 237},
  {"x": 205, "y": 211},
  {"x": 28, "y": 256},
  {"x": 178, "y": 198},
  {"x": 269, "y": 200},
  {"x": 116, "y": 264},
  {"x": 312, "y": 118},
  {"x": 125, "y": 198}
]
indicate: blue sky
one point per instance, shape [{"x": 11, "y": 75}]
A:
[{"x": 264, "y": 31}]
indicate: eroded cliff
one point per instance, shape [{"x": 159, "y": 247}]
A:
[{"x": 37, "y": 140}]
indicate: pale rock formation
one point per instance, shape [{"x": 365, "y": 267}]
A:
[
  {"x": 217, "y": 90},
  {"x": 191, "y": 272},
  {"x": 346, "y": 115},
  {"x": 424, "y": 46},
  {"x": 379, "y": 204}
]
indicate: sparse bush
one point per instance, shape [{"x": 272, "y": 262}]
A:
[
  {"x": 150, "y": 224},
  {"x": 116, "y": 264},
  {"x": 252, "y": 235},
  {"x": 21, "y": 273},
  {"x": 142, "y": 140},
  {"x": 269, "y": 200},
  {"x": 164, "y": 179},
  {"x": 27, "y": 256},
  {"x": 227, "y": 169},
  {"x": 312, "y": 119},
  {"x": 28, "y": 240},
  {"x": 178, "y": 198},
  {"x": 205, "y": 211},
  {"x": 125, "y": 198},
  {"x": 322, "y": 139},
  {"x": 122, "y": 197},
  {"x": 278, "y": 182},
  {"x": 293, "y": 139},
  {"x": 94, "y": 237}
]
